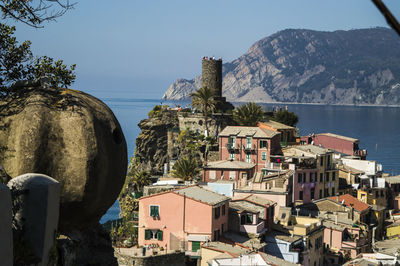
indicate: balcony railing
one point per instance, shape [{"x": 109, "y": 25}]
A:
[{"x": 253, "y": 228}]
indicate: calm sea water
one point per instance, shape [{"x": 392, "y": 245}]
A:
[{"x": 377, "y": 128}]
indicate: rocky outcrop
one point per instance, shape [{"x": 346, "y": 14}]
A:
[
  {"x": 152, "y": 142},
  {"x": 306, "y": 66},
  {"x": 70, "y": 136}
]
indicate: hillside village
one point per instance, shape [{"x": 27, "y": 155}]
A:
[{"x": 264, "y": 196}]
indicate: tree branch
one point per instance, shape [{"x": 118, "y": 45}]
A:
[{"x": 391, "y": 20}]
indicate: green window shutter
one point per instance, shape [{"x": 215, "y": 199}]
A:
[
  {"x": 154, "y": 211},
  {"x": 195, "y": 246},
  {"x": 160, "y": 235},
  {"x": 146, "y": 234}
]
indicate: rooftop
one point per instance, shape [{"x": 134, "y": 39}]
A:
[
  {"x": 338, "y": 137},
  {"x": 232, "y": 249},
  {"x": 201, "y": 194},
  {"x": 228, "y": 164},
  {"x": 244, "y": 206},
  {"x": 316, "y": 150},
  {"x": 285, "y": 237},
  {"x": 272, "y": 260},
  {"x": 258, "y": 200},
  {"x": 351, "y": 201},
  {"x": 393, "y": 179},
  {"x": 240, "y": 131},
  {"x": 350, "y": 170},
  {"x": 276, "y": 125}
]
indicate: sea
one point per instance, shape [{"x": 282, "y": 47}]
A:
[{"x": 377, "y": 127}]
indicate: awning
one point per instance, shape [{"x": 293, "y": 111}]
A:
[{"x": 201, "y": 238}]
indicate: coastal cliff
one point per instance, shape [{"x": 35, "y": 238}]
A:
[{"x": 305, "y": 66}]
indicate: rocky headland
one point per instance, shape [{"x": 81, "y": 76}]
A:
[{"x": 307, "y": 66}]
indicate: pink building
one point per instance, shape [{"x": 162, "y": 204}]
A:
[
  {"x": 251, "y": 215},
  {"x": 182, "y": 218},
  {"x": 336, "y": 142},
  {"x": 237, "y": 171},
  {"x": 249, "y": 144}
]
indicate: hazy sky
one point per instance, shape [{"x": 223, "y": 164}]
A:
[{"x": 137, "y": 48}]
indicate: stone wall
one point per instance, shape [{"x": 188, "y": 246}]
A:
[
  {"x": 171, "y": 259},
  {"x": 195, "y": 122}
]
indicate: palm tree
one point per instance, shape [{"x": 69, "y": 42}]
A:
[
  {"x": 185, "y": 168},
  {"x": 138, "y": 179},
  {"x": 248, "y": 114},
  {"x": 203, "y": 98}
]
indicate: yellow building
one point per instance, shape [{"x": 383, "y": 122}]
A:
[{"x": 393, "y": 230}]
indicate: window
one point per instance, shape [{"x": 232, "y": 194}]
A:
[
  {"x": 195, "y": 245},
  {"x": 321, "y": 177},
  {"x": 321, "y": 160},
  {"x": 212, "y": 174},
  {"x": 248, "y": 157},
  {"x": 312, "y": 193},
  {"x": 264, "y": 156},
  {"x": 326, "y": 192},
  {"x": 154, "y": 210},
  {"x": 232, "y": 175},
  {"x": 232, "y": 155},
  {"x": 301, "y": 195},
  {"x": 320, "y": 193},
  {"x": 217, "y": 212},
  {"x": 299, "y": 178},
  {"x": 216, "y": 235},
  {"x": 223, "y": 210},
  {"x": 248, "y": 143},
  {"x": 153, "y": 234},
  {"x": 333, "y": 176},
  {"x": 312, "y": 177},
  {"x": 377, "y": 194},
  {"x": 327, "y": 177},
  {"x": 222, "y": 228},
  {"x": 231, "y": 142},
  {"x": 263, "y": 144},
  {"x": 246, "y": 218},
  {"x": 381, "y": 193},
  {"x": 333, "y": 191}
]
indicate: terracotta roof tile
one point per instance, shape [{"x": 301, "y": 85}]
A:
[{"x": 349, "y": 200}]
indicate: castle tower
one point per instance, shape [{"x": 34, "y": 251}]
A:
[{"x": 211, "y": 75}]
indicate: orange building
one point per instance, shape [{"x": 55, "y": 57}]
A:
[{"x": 289, "y": 134}]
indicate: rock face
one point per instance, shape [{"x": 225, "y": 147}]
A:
[
  {"x": 305, "y": 66},
  {"x": 70, "y": 136},
  {"x": 152, "y": 142}
]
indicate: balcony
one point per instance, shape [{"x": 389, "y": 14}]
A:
[
  {"x": 248, "y": 147},
  {"x": 361, "y": 153},
  {"x": 230, "y": 146},
  {"x": 256, "y": 229},
  {"x": 276, "y": 166}
]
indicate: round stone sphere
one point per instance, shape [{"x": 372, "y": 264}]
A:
[{"x": 72, "y": 137}]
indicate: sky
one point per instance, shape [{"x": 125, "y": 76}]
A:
[{"x": 137, "y": 48}]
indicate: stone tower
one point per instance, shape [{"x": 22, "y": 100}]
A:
[{"x": 211, "y": 75}]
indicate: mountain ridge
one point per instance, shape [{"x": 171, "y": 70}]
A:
[{"x": 353, "y": 67}]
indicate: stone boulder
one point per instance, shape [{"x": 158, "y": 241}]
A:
[{"x": 70, "y": 136}]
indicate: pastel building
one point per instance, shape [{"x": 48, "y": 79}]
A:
[
  {"x": 289, "y": 134},
  {"x": 249, "y": 144},
  {"x": 316, "y": 173},
  {"x": 230, "y": 170},
  {"x": 251, "y": 215},
  {"x": 183, "y": 218},
  {"x": 342, "y": 144}
]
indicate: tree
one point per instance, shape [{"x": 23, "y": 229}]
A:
[
  {"x": 18, "y": 63},
  {"x": 203, "y": 98},
  {"x": 286, "y": 117},
  {"x": 34, "y": 12},
  {"x": 139, "y": 179},
  {"x": 185, "y": 168},
  {"x": 248, "y": 114}
]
